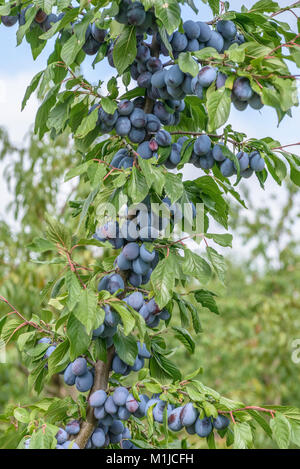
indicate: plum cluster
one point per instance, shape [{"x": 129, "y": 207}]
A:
[
  {"x": 197, "y": 35},
  {"x": 133, "y": 13},
  {"x": 110, "y": 411},
  {"x": 121, "y": 404},
  {"x": 41, "y": 19},
  {"x": 205, "y": 155},
  {"x": 185, "y": 416},
  {"x": 129, "y": 120},
  {"x": 63, "y": 437},
  {"x": 79, "y": 374},
  {"x": 149, "y": 310}
]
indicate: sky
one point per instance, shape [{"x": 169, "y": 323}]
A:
[{"x": 17, "y": 69}]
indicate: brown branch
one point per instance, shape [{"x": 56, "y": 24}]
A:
[
  {"x": 100, "y": 382},
  {"x": 284, "y": 9},
  {"x": 26, "y": 322}
]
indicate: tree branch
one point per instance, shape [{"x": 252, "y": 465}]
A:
[{"x": 100, "y": 382}]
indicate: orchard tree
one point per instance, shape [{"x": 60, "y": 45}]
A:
[{"x": 102, "y": 325}]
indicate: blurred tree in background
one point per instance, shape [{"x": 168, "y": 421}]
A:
[{"x": 248, "y": 347}]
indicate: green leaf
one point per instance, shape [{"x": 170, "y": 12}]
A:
[
  {"x": 173, "y": 186},
  {"x": 185, "y": 338},
  {"x": 87, "y": 124},
  {"x": 195, "y": 318},
  {"x": 57, "y": 232},
  {"x": 218, "y": 263},
  {"x": 78, "y": 170},
  {"x": 137, "y": 186},
  {"x": 242, "y": 436},
  {"x": 59, "y": 359},
  {"x": 165, "y": 365},
  {"x": 71, "y": 48},
  {"x": 124, "y": 51},
  {"x": 42, "y": 114},
  {"x": 31, "y": 88},
  {"x": 108, "y": 105},
  {"x": 261, "y": 421},
  {"x": 127, "y": 318},
  {"x": 29, "y": 16},
  {"x": 126, "y": 347},
  {"x": 281, "y": 429},
  {"x": 44, "y": 438},
  {"x": 295, "y": 432},
  {"x": 163, "y": 280},
  {"x": 206, "y": 299},
  {"x": 265, "y": 6},
  {"x": 187, "y": 64},
  {"x": 21, "y": 415},
  {"x": 196, "y": 266},
  {"x": 218, "y": 108},
  {"x": 74, "y": 289},
  {"x": 224, "y": 240},
  {"x": 153, "y": 174},
  {"x": 79, "y": 339},
  {"x": 86, "y": 309},
  {"x": 168, "y": 13},
  {"x": 41, "y": 245}
]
